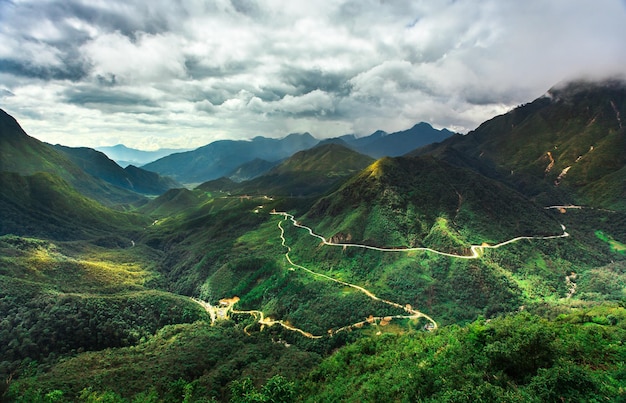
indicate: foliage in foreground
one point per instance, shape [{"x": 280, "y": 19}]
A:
[
  {"x": 577, "y": 356},
  {"x": 521, "y": 357},
  {"x": 196, "y": 362}
]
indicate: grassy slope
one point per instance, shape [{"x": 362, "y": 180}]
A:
[{"x": 63, "y": 298}]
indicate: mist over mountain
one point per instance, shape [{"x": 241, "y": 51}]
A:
[
  {"x": 567, "y": 144},
  {"x": 125, "y": 156}
]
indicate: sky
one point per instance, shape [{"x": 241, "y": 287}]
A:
[{"x": 183, "y": 73}]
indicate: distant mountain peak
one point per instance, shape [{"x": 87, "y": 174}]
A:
[
  {"x": 380, "y": 143},
  {"x": 422, "y": 125}
]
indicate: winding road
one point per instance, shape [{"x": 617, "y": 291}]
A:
[
  {"x": 414, "y": 314},
  {"x": 476, "y": 252},
  {"x": 475, "y": 249}
]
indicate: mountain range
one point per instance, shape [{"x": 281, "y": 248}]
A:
[
  {"x": 481, "y": 267},
  {"x": 247, "y": 159},
  {"x": 221, "y": 158}
]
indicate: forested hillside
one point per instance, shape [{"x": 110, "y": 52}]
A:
[{"x": 438, "y": 276}]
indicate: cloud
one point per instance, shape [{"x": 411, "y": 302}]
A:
[
  {"x": 315, "y": 103},
  {"x": 190, "y": 72},
  {"x": 107, "y": 98}
]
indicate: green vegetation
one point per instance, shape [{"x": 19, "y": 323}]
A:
[
  {"x": 46, "y": 206},
  {"x": 95, "y": 302},
  {"x": 579, "y": 356},
  {"x": 196, "y": 359},
  {"x": 424, "y": 202},
  {"x": 306, "y": 173},
  {"x": 616, "y": 246},
  {"x": 577, "y": 128}
]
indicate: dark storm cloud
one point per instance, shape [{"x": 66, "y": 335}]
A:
[
  {"x": 307, "y": 80},
  {"x": 107, "y": 99},
  {"x": 199, "y": 69},
  {"x": 247, "y": 7},
  {"x": 72, "y": 72},
  {"x": 121, "y": 16}
]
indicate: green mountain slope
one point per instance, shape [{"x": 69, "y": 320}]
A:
[
  {"x": 309, "y": 172},
  {"x": 132, "y": 178},
  {"x": 44, "y": 205},
  {"x": 570, "y": 141},
  {"x": 418, "y": 201},
  {"x": 251, "y": 170},
  {"x": 26, "y": 155},
  {"x": 172, "y": 202}
]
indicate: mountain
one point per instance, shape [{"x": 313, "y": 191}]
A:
[
  {"x": 408, "y": 202},
  {"x": 26, "y": 155},
  {"x": 125, "y": 156},
  {"x": 220, "y": 158},
  {"x": 44, "y": 205},
  {"x": 308, "y": 172},
  {"x": 132, "y": 178},
  {"x": 201, "y": 295},
  {"x": 251, "y": 169},
  {"x": 569, "y": 142},
  {"x": 380, "y": 144}
]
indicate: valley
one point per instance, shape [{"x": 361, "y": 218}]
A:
[{"x": 462, "y": 270}]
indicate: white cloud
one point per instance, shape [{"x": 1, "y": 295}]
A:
[
  {"x": 149, "y": 58},
  {"x": 189, "y": 72}
]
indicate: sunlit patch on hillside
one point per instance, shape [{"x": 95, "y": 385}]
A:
[
  {"x": 615, "y": 246},
  {"x": 44, "y": 262}
]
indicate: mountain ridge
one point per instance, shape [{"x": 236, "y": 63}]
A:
[
  {"x": 222, "y": 157},
  {"x": 560, "y": 144},
  {"x": 26, "y": 155},
  {"x": 97, "y": 164},
  {"x": 410, "y": 197},
  {"x": 304, "y": 174}
]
